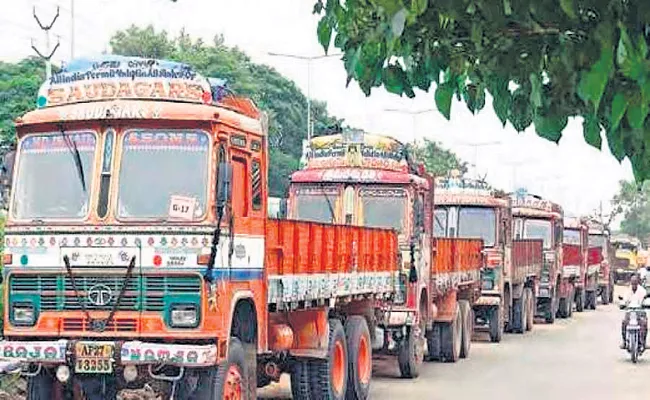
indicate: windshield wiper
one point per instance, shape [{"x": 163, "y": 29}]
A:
[
  {"x": 329, "y": 203},
  {"x": 72, "y": 147}
]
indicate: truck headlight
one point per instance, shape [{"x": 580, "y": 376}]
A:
[
  {"x": 23, "y": 314},
  {"x": 184, "y": 316}
]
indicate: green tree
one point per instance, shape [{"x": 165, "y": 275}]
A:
[
  {"x": 19, "y": 84},
  {"x": 542, "y": 61},
  {"x": 437, "y": 160},
  {"x": 633, "y": 202},
  {"x": 272, "y": 92}
]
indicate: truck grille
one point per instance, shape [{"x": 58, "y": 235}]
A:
[
  {"x": 143, "y": 293},
  {"x": 83, "y": 325}
]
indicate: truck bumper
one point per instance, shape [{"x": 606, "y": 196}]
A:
[
  {"x": 543, "y": 291},
  {"x": 125, "y": 353},
  {"x": 488, "y": 299}
]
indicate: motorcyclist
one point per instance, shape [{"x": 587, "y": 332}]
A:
[{"x": 634, "y": 299}]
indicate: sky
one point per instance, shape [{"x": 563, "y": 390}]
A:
[{"x": 572, "y": 173}]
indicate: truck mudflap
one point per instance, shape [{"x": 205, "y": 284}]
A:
[{"x": 125, "y": 353}]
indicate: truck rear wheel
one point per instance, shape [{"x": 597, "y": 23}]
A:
[
  {"x": 519, "y": 309},
  {"x": 411, "y": 353},
  {"x": 580, "y": 300},
  {"x": 530, "y": 312},
  {"x": 551, "y": 308},
  {"x": 329, "y": 378},
  {"x": 433, "y": 342},
  {"x": 467, "y": 317},
  {"x": 450, "y": 338},
  {"x": 496, "y": 324},
  {"x": 360, "y": 358}
]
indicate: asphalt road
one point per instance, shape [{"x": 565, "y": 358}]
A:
[{"x": 573, "y": 359}]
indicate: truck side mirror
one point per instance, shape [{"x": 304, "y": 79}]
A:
[
  {"x": 224, "y": 184},
  {"x": 6, "y": 175}
]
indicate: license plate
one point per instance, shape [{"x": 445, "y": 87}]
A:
[{"x": 94, "y": 358}]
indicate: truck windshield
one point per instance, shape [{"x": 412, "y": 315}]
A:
[
  {"x": 316, "y": 203},
  {"x": 157, "y": 165},
  {"x": 596, "y": 240},
  {"x": 571, "y": 236},
  {"x": 539, "y": 229},
  {"x": 47, "y": 184},
  {"x": 383, "y": 208},
  {"x": 440, "y": 222},
  {"x": 477, "y": 222}
]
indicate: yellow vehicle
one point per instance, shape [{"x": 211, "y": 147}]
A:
[{"x": 625, "y": 258}]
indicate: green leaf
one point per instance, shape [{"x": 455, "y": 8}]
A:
[
  {"x": 507, "y": 7},
  {"x": 591, "y": 131},
  {"x": 636, "y": 113},
  {"x": 390, "y": 6},
  {"x": 419, "y": 6},
  {"x": 394, "y": 79},
  {"x": 324, "y": 33},
  {"x": 444, "y": 93},
  {"x": 592, "y": 83},
  {"x": 567, "y": 7},
  {"x": 550, "y": 127},
  {"x": 535, "y": 91},
  {"x": 619, "y": 105},
  {"x": 397, "y": 22}
]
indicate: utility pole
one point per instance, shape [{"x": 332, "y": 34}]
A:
[
  {"x": 71, "y": 29},
  {"x": 46, "y": 29},
  {"x": 414, "y": 115}
]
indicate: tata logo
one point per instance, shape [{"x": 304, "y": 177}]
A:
[
  {"x": 100, "y": 295},
  {"x": 123, "y": 256}
]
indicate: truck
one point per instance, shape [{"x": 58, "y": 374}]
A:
[
  {"x": 538, "y": 218},
  {"x": 138, "y": 250},
  {"x": 371, "y": 180},
  {"x": 625, "y": 258},
  {"x": 469, "y": 208},
  {"x": 576, "y": 276},
  {"x": 600, "y": 255}
]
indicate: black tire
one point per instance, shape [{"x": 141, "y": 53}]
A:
[
  {"x": 410, "y": 353},
  {"x": 300, "y": 380},
  {"x": 496, "y": 324},
  {"x": 611, "y": 294},
  {"x": 591, "y": 300},
  {"x": 41, "y": 386},
  {"x": 358, "y": 335},
  {"x": 530, "y": 313},
  {"x": 450, "y": 338},
  {"x": 570, "y": 304},
  {"x": 550, "y": 313},
  {"x": 580, "y": 300},
  {"x": 519, "y": 309},
  {"x": 322, "y": 372},
  {"x": 604, "y": 296},
  {"x": 434, "y": 343},
  {"x": 467, "y": 317},
  {"x": 212, "y": 382}
]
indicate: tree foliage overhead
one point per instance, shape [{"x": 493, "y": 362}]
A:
[{"x": 542, "y": 61}]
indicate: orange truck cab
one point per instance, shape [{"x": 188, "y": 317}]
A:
[
  {"x": 467, "y": 208},
  {"x": 370, "y": 180},
  {"x": 137, "y": 247},
  {"x": 537, "y": 218}
]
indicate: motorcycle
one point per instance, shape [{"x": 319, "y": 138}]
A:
[{"x": 633, "y": 339}]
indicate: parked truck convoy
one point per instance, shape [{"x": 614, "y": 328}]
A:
[
  {"x": 369, "y": 180},
  {"x": 467, "y": 208},
  {"x": 574, "y": 283},
  {"x": 138, "y": 247},
  {"x": 537, "y": 218}
]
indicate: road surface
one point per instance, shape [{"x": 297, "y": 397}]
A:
[{"x": 573, "y": 359}]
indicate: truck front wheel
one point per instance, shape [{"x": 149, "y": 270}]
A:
[
  {"x": 41, "y": 386},
  {"x": 411, "y": 353},
  {"x": 519, "y": 311},
  {"x": 360, "y": 358},
  {"x": 496, "y": 324},
  {"x": 228, "y": 380},
  {"x": 604, "y": 296},
  {"x": 591, "y": 300},
  {"x": 580, "y": 300},
  {"x": 530, "y": 312}
]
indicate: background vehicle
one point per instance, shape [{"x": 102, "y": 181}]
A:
[
  {"x": 536, "y": 218},
  {"x": 467, "y": 208},
  {"x": 625, "y": 258},
  {"x": 600, "y": 248},
  {"x": 369, "y": 180},
  {"x": 138, "y": 246},
  {"x": 574, "y": 285}
]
